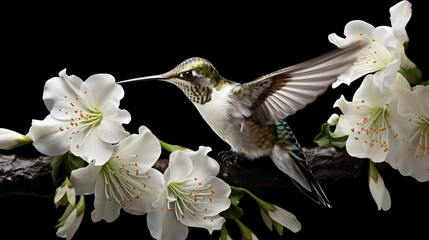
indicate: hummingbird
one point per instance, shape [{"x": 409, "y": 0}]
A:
[{"x": 250, "y": 116}]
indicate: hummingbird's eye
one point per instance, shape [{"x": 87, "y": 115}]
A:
[{"x": 186, "y": 75}]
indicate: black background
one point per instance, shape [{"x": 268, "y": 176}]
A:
[{"x": 244, "y": 41}]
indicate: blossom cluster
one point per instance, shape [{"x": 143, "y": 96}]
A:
[
  {"x": 388, "y": 118},
  {"x": 93, "y": 154}
]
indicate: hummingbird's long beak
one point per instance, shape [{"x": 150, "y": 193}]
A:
[{"x": 147, "y": 78}]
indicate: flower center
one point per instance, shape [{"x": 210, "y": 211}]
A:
[
  {"x": 420, "y": 139},
  {"x": 373, "y": 128},
  {"x": 81, "y": 117},
  {"x": 375, "y": 55},
  {"x": 123, "y": 182},
  {"x": 189, "y": 198}
]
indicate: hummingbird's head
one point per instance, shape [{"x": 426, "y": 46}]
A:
[{"x": 196, "y": 77}]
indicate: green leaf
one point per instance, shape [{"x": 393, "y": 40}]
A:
[
  {"x": 327, "y": 138},
  {"x": 62, "y": 165},
  {"x": 234, "y": 211},
  {"x": 236, "y": 195}
]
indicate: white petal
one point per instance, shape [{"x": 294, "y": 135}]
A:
[
  {"x": 110, "y": 128},
  {"x": 144, "y": 146},
  {"x": 57, "y": 88},
  {"x": 372, "y": 95},
  {"x": 355, "y": 148},
  {"x": 415, "y": 101},
  {"x": 84, "y": 179},
  {"x": 380, "y": 193},
  {"x": 104, "y": 88},
  {"x": 352, "y": 32},
  {"x": 111, "y": 131},
  {"x": 70, "y": 226},
  {"x": 203, "y": 165},
  {"x": 71, "y": 195},
  {"x": 211, "y": 223},
  {"x": 88, "y": 145},
  {"x": 8, "y": 138},
  {"x": 151, "y": 193},
  {"x": 412, "y": 106},
  {"x": 400, "y": 14},
  {"x": 108, "y": 210},
  {"x": 163, "y": 224},
  {"x": 48, "y": 138},
  {"x": 285, "y": 218},
  {"x": 64, "y": 110},
  {"x": 59, "y": 193},
  {"x": 385, "y": 79},
  {"x": 111, "y": 111},
  {"x": 180, "y": 166},
  {"x": 220, "y": 200}
]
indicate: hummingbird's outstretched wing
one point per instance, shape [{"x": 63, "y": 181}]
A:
[{"x": 281, "y": 93}]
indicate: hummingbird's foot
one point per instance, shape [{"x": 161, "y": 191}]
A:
[{"x": 231, "y": 158}]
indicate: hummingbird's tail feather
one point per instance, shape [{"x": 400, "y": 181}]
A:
[{"x": 289, "y": 157}]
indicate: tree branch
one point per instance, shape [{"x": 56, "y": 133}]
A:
[{"x": 31, "y": 176}]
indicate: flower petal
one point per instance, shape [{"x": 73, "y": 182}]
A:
[
  {"x": 84, "y": 179},
  {"x": 10, "y": 139},
  {"x": 210, "y": 223},
  {"x": 110, "y": 128},
  {"x": 203, "y": 165},
  {"x": 103, "y": 208},
  {"x": 400, "y": 15},
  {"x": 380, "y": 193},
  {"x": 180, "y": 166},
  {"x": 57, "y": 88},
  {"x": 106, "y": 89},
  {"x": 144, "y": 146},
  {"x": 70, "y": 226},
  {"x": 48, "y": 138},
  {"x": 163, "y": 224},
  {"x": 88, "y": 145},
  {"x": 151, "y": 193}
]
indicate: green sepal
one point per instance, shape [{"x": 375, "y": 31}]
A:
[
  {"x": 170, "y": 147},
  {"x": 246, "y": 233},
  {"x": 278, "y": 227},
  {"x": 224, "y": 234},
  {"x": 413, "y": 75},
  {"x": 373, "y": 172},
  {"x": 63, "y": 165},
  {"x": 327, "y": 138},
  {"x": 81, "y": 205},
  {"x": 23, "y": 141},
  {"x": 267, "y": 220}
]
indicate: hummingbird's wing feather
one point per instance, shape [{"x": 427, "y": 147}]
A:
[{"x": 281, "y": 93}]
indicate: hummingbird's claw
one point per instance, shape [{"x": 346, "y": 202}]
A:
[{"x": 231, "y": 158}]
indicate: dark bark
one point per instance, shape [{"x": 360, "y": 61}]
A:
[{"x": 23, "y": 176}]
